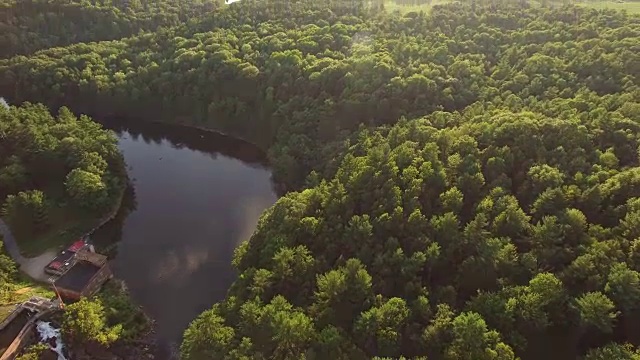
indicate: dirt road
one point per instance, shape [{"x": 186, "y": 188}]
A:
[{"x": 34, "y": 267}]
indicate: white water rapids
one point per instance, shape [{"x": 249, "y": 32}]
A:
[
  {"x": 3, "y": 102},
  {"x": 48, "y": 332}
]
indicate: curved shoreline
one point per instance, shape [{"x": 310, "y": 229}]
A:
[
  {"x": 185, "y": 125},
  {"x": 265, "y": 149}
]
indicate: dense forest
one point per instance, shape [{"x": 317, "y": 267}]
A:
[
  {"x": 58, "y": 174},
  {"x": 31, "y": 25},
  {"x": 462, "y": 181},
  {"x": 294, "y": 77},
  {"x": 479, "y": 235}
]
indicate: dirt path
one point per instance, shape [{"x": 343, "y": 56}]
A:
[{"x": 34, "y": 267}]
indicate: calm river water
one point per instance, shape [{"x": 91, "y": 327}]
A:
[{"x": 196, "y": 195}]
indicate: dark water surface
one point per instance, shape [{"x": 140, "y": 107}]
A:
[{"x": 196, "y": 196}]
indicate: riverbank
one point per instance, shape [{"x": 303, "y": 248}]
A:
[
  {"x": 34, "y": 266},
  {"x": 262, "y": 145},
  {"x": 223, "y": 140},
  {"x": 143, "y": 346},
  {"x": 61, "y": 236},
  {"x": 279, "y": 188},
  {"x": 198, "y": 193},
  {"x": 138, "y": 339}
]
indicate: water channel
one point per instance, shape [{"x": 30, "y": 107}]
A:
[{"x": 194, "y": 197}]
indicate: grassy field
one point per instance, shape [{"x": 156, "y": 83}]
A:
[
  {"x": 66, "y": 226},
  {"x": 17, "y": 289},
  {"x": 630, "y": 6},
  {"x": 18, "y": 292},
  {"x": 67, "y": 229},
  {"x": 391, "y": 5}
]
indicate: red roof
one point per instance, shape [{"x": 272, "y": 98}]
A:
[
  {"x": 55, "y": 265},
  {"x": 76, "y": 246}
]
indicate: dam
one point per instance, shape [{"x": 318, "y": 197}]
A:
[{"x": 18, "y": 328}]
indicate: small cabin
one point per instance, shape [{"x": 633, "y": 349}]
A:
[{"x": 85, "y": 277}]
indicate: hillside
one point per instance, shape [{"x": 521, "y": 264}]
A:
[
  {"x": 461, "y": 183},
  {"x": 478, "y": 235},
  {"x": 303, "y": 78},
  {"x": 405, "y": 6}
]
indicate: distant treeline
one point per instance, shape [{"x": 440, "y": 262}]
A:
[{"x": 31, "y": 25}]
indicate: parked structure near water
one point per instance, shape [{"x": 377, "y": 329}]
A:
[{"x": 85, "y": 278}]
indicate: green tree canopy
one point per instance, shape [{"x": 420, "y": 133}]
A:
[
  {"x": 85, "y": 321},
  {"x": 56, "y": 167},
  {"x": 421, "y": 250}
]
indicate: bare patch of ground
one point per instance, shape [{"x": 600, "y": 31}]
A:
[{"x": 34, "y": 267}]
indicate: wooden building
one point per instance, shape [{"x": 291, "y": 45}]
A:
[{"x": 85, "y": 277}]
